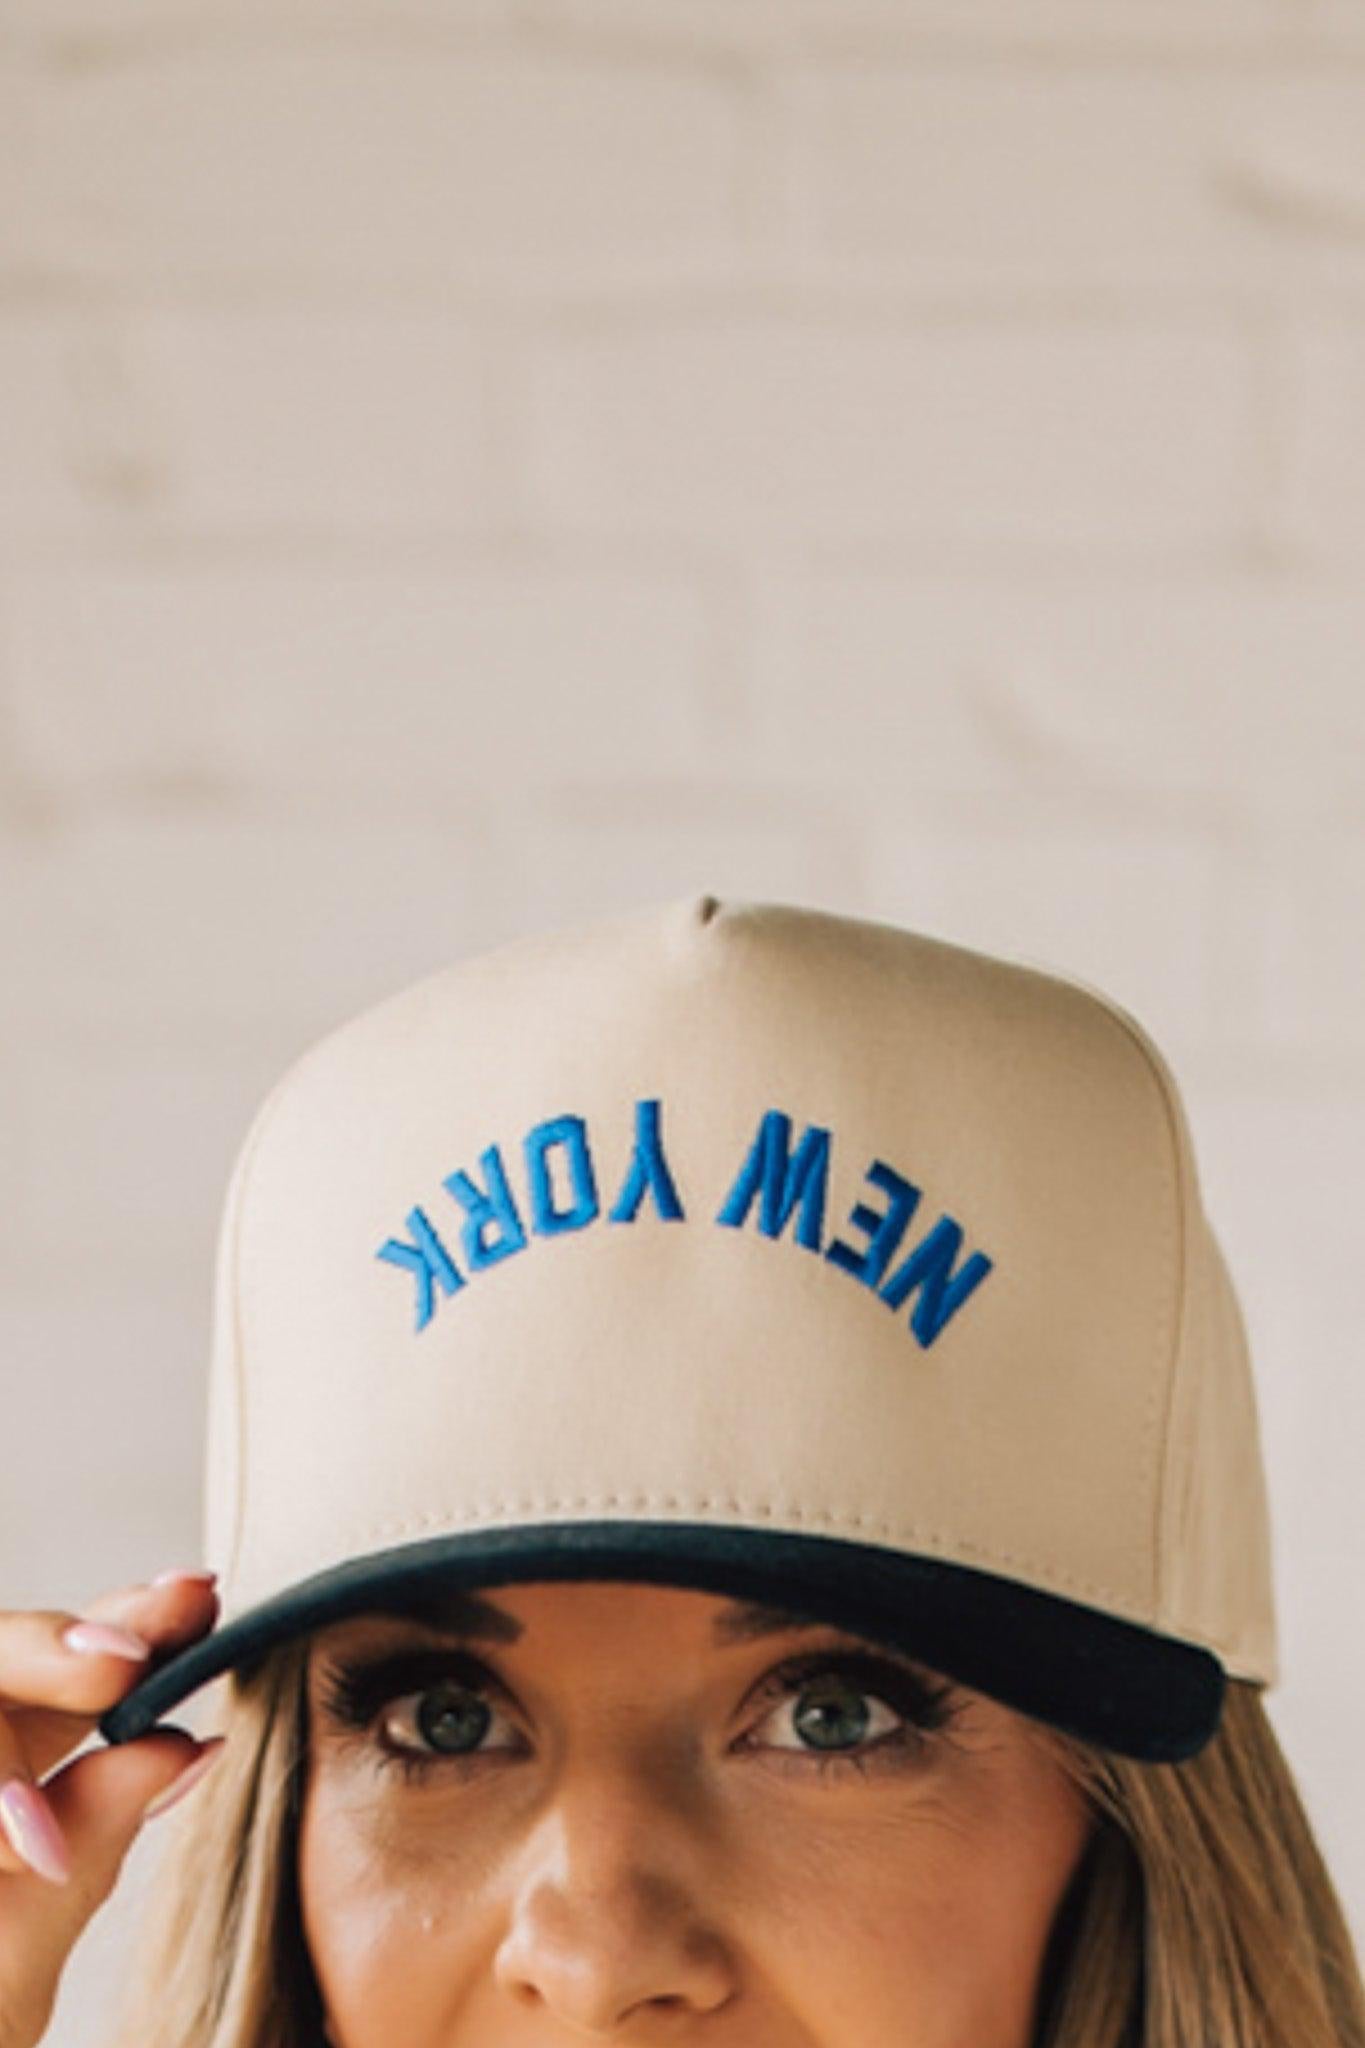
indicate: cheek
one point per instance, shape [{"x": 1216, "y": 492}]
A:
[
  {"x": 381, "y": 1922},
  {"x": 934, "y": 1935},
  {"x": 983, "y": 1934},
  {"x": 927, "y": 1922}
]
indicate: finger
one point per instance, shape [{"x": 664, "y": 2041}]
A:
[
  {"x": 24, "y": 1826},
  {"x": 60, "y": 1671},
  {"x": 167, "y": 1601},
  {"x": 34, "y": 1738},
  {"x": 39, "y": 1668},
  {"x": 95, "y": 1808}
]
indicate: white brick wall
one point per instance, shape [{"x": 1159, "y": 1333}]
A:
[{"x": 464, "y": 467}]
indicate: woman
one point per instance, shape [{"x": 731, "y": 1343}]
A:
[{"x": 734, "y": 1472}]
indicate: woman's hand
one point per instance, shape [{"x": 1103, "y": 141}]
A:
[{"x": 62, "y": 1846}]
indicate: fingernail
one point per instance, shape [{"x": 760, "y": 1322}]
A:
[
  {"x": 102, "y": 1638},
  {"x": 187, "y": 1780},
  {"x": 33, "y": 1832},
  {"x": 169, "y": 1578}
]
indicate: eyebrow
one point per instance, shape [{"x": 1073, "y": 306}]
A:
[{"x": 474, "y": 1619}]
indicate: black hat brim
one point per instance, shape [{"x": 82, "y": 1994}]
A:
[{"x": 1110, "y": 1682}]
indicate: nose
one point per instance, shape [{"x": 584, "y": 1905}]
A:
[
  {"x": 611, "y": 1915},
  {"x": 594, "y": 1973}
]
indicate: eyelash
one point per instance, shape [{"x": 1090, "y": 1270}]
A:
[{"x": 353, "y": 1694}]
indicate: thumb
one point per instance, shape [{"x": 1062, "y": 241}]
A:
[{"x": 98, "y": 1803}]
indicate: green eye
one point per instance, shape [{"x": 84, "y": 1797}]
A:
[
  {"x": 827, "y": 1685},
  {"x": 456, "y": 1696}
]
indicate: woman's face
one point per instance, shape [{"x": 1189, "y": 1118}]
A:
[{"x": 622, "y": 1822}]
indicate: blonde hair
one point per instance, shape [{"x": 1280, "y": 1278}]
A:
[{"x": 1201, "y": 1915}]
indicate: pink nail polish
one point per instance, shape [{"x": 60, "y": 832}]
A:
[
  {"x": 186, "y": 1781},
  {"x": 101, "y": 1638},
  {"x": 169, "y": 1578},
  {"x": 33, "y": 1832}
]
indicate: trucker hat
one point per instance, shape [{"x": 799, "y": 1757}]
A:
[{"x": 751, "y": 1248}]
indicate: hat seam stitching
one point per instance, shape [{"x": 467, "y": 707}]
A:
[
  {"x": 442, "y": 1518},
  {"x": 251, "y": 1147},
  {"x": 1159, "y": 1423},
  {"x": 1156, "y": 1427}
]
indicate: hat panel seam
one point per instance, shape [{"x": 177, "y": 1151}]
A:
[
  {"x": 264, "y": 1117},
  {"x": 823, "y": 1521},
  {"x": 1152, "y": 1459}
]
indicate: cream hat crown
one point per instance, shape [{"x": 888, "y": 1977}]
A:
[{"x": 752, "y": 1248}]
